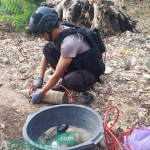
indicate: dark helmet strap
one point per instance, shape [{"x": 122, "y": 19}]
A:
[
  {"x": 50, "y": 33},
  {"x": 57, "y": 24},
  {"x": 50, "y": 36}
]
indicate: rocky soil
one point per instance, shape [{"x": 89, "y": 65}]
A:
[{"x": 126, "y": 82}]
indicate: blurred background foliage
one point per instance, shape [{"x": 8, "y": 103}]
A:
[{"x": 18, "y": 12}]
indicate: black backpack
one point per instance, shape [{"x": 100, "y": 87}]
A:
[
  {"x": 82, "y": 61},
  {"x": 92, "y": 35}
]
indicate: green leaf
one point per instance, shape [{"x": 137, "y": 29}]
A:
[{"x": 21, "y": 11}]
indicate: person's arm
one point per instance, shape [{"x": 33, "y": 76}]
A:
[
  {"x": 43, "y": 66},
  {"x": 60, "y": 69}
]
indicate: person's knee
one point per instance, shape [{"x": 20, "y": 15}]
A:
[
  {"x": 71, "y": 83},
  {"x": 75, "y": 82},
  {"x": 76, "y": 86}
]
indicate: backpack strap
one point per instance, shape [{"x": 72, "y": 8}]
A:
[
  {"x": 83, "y": 31},
  {"x": 63, "y": 34},
  {"x": 68, "y": 24},
  {"x": 73, "y": 30}
]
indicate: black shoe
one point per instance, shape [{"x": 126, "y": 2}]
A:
[
  {"x": 58, "y": 88},
  {"x": 87, "y": 98}
]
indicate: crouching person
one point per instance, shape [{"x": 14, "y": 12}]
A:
[{"x": 74, "y": 58}]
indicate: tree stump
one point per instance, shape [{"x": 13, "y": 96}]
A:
[{"x": 109, "y": 16}]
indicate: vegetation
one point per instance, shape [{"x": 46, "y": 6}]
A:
[
  {"x": 2, "y": 11},
  {"x": 18, "y": 11}
]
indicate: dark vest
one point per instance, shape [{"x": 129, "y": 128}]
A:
[{"x": 90, "y": 60}]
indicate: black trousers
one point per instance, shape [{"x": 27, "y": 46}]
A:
[{"x": 78, "y": 80}]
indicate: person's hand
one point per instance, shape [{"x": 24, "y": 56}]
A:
[
  {"x": 39, "y": 82},
  {"x": 36, "y": 97}
]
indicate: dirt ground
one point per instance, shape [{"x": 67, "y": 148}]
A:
[{"x": 126, "y": 81}]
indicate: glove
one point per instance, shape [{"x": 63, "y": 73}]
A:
[
  {"x": 36, "y": 97},
  {"x": 39, "y": 82}
]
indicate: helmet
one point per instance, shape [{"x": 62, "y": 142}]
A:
[{"x": 44, "y": 19}]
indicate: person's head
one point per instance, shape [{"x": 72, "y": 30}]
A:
[{"x": 43, "y": 21}]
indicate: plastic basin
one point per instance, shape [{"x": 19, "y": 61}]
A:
[{"x": 71, "y": 114}]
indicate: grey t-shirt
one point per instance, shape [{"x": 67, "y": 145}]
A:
[{"x": 73, "y": 45}]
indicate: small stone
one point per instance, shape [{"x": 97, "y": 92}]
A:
[
  {"x": 97, "y": 110},
  {"x": 109, "y": 124},
  {"x": 101, "y": 95},
  {"x": 146, "y": 75},
  {"x": 140, "y": 91},
  {"x": 124, "y": 128},
  {"x": 148, "y": 47},
  {"x": 108, "y": 70},
  {"x": 18, "y": 110},
  {"x": 4, "y": 60},
  {"x": 142, "y": 114},
  {"x": 133, "y": 61},
  {"x": 127, "y": 64},
  {"x": 7, "y": 41},
  {"x": 23, "y": 69},
  {"x": 22, "y": 59},
  {"x": 147, "y": 88},
  {"x": 2, "y": 126}
]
